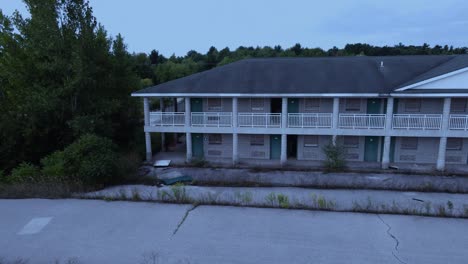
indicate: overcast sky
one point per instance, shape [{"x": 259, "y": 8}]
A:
[{"x": 177, "y": 26}]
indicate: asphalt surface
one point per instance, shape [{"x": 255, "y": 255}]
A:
[{"x": 91, "y": 231}]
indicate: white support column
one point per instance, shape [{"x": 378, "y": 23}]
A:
[
  {"x": 146, "y": 111},
  {"x": 443, "y": 139},
  {"x": 284, "y": 113},
  {"x": 188, "y": 113},
  {"x": 387, "y": 139},
  {"x": 163, "y": 136},
  {"x": 235, "y": 148},
  {"x": 284, "y": 147},
  {"x": 188, "y": 142},
  {"x": 284, "y": 136},
  {"x": 235, "y": 136},
  {"x": 149, "y": 152},
  {"x": 188, "y": 135},
  {"x": 235, "y": 114},
  {"x": 335, "y": 116}
]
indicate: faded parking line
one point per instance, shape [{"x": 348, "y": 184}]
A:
[{"x": 35, "y": 225}]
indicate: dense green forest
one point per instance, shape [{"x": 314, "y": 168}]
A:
[{"x": 65, "y": 84}]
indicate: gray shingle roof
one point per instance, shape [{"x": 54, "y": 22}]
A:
[{"x": 360, "y": 74}]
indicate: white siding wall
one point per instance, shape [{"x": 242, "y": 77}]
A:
[
  {"x": 425, "y": 153},
  {"x": 223, "y": 150},
  {"x": 246, "y": 151}
]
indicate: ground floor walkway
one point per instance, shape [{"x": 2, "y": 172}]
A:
[
  {"x": 178, "y": 158},
  {"x": 89, "y": 231}
]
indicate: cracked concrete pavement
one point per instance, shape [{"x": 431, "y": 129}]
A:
[
  {"x": 124, "y": 232},
  {"x": 397, "y": 242}
]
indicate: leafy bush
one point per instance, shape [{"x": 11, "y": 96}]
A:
[
  {"x": 283, "y": 200},
  {"x": 91, "y": 159},
  {"x": 2, "y": 176},
  {"x": 25, "y": 172},
  {"x": 128, "y": 166},
  {"x": 53, "y": 166},
  {"x": 334, "y": 157}
]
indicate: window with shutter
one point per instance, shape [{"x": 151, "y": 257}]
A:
[
  {"x": 215, "y": 139},
  {"x": 409, "y": 143},
  {"x": 454, "y": 143},
  {"x": 257, "y": 104},
  {"x": 257, "y": 140},
  {"x": 214, "y": 104},
  {"x": 351, "y": 142},
  {"x": 353, "y": 104},
  {"x": 458, "y": 105},
  {"x": 310, "y": 141},
  {"x": 413, "y": 105},
  {"x": 312, "y": 104}
]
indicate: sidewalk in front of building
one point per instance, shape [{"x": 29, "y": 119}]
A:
[
  {"x": 178, "y": 158},
  {"x": 314, "y": 179}
]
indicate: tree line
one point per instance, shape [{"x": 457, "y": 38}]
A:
[{"x": 154, "y": 68}]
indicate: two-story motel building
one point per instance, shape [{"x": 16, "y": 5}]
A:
[{"x": 394, "y": 109}]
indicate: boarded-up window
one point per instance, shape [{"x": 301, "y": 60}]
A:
[
  {"x": 312, "y": 104},
  {"x": 352, "y": 104},
  {"x": 413, "y": 105},
  {"x": 257, "y": 140},
  {"x": 409, "y": 143},
  {"x": 214, "y": 104},
  {"x": 310, "y": 141},
  {"x": 454, "y": 143},
  {"x": 215, "y": 139},
  {"x": 458, "y": 105},
  {"x": 257, "y": 104},
  {"x": 351, "y": 142}
]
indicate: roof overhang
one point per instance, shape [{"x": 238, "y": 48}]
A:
[
  {"x": 443, "y": 76},
  {"x": 240, "y": 95}
]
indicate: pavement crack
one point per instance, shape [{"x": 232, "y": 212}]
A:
[
  {"x": 397, "y": 242},
  {"x": 184, "y": 218}
]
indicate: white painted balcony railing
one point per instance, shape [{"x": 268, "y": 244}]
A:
[
  {"x": 310, "y": 120},
  {"x": 421, "y": 122},
  {"x": 458, "y": 122},
  {"x": 362, "y": 121},
  {"x": 167, "y": 119},
  {"x": 209, "y": 119},
  {"x": 259, "y": 120}
]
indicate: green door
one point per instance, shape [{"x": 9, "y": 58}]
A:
[
  {"x": 196, "y": 105},
  {"x": 197, "y": 145},
  {"x": 275, "y": 146},
  {"x": 293, "y": 105},
  {"x": 371, "y": 148},
  {"x": 373, "y": 106}
]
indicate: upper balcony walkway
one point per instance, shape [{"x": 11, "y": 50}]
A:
[{"x": 309, "y": 120}]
